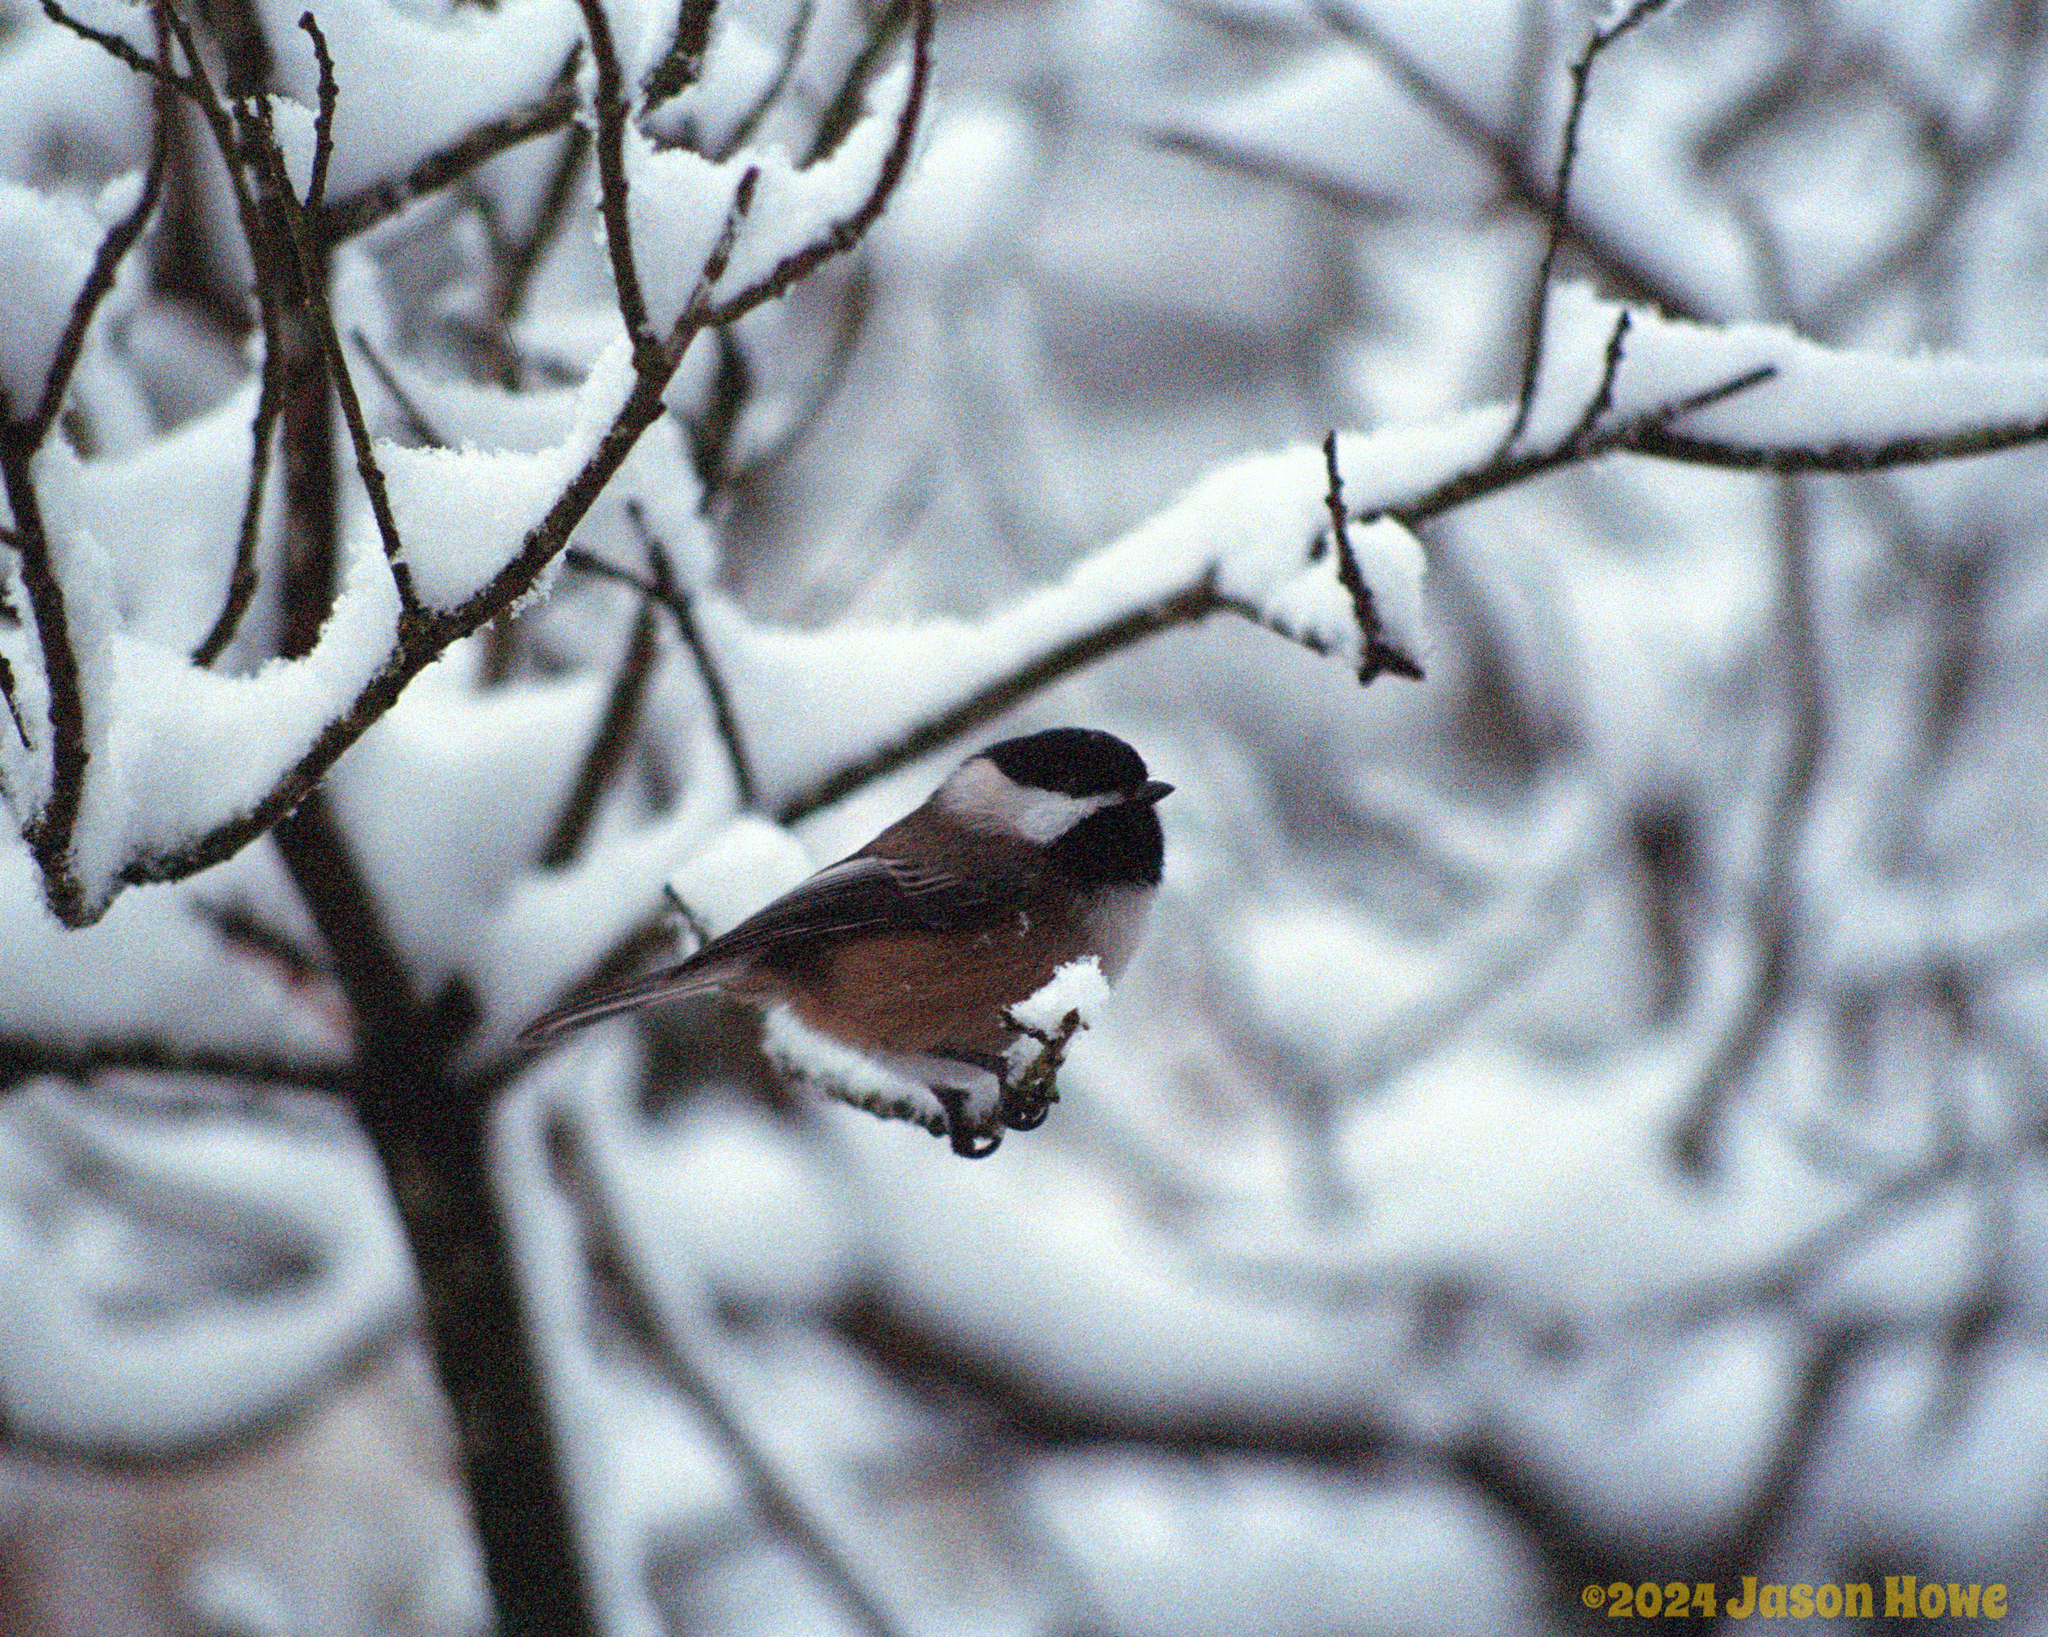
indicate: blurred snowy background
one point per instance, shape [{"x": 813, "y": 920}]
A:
[{"x": 1579, "y": 1118}]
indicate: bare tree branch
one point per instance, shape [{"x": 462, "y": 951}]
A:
[
  {"x": 1775, "y": 915},
  {"x": 843, "y": 108},
  {"x": 1636, "y": 434},
  {"x": 1507, "y": 152},
  {"x": 682, "y": 64},
  {"x": 23, "y": 1057},
  {"x": 424, "y": 634},
  {"x": 416, "y": 419},
  {"x": 1560, "y": 202},
  {"x": 606, "y": 753},
  {"x": 1610, "y": 372},
  {"x": 609, "y": 104},
  {"x": 323, "y": 119},
  {"x": 355, "y": 213},
  {"x": 119, "y": 49},
  {"x": 520, "y": 258},
  {"x": 1222, "y": 153},
  {"x": 792, "y": 48},
  {"x": 846, "y": 233},
  {"x": 49, "y": 831},
  {"x": 120, "y": 239},
  {"x": 723, "y": 715},
  {"x": 662, "y": 589},
  {"x": 681, "y": 1351},
  {"x": 1670, "y": 443},
  {"x": 992, "y": 699},
  {"x": 13, "y": 705},
  {"x": 312, "y": 284},
  {"x": 1375, "y": 655},
  {"x": 241, "y": 589}
]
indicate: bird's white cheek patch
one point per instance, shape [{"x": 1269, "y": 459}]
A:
[{"x": 983, "y": 797}]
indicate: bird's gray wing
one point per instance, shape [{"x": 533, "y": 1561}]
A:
[{"x": 866, "y": 895}]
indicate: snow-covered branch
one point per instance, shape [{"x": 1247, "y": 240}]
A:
[{"x": 115, "y": 806}]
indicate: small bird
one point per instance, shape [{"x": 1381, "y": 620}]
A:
[{"x": 1037, "y": 851}]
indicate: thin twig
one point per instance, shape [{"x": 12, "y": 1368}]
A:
[
  {"x": 13, "y": 709},
  {"x": 323, "y": 120},
  {"x": 1507, "y": 152},
  {"x": 242, "y": 578},
  {"x": 1643, "y": 433},
  {"x": 415, "y": 418},
  {"x": 1374, "y": 655},
  {"x": 723, "y": 715},
  {"x": 683, "y": 62},
  {"x": 22, "y": 1058},
  {"x": 117, "y": 48},
  {"x": 711, "y": 432},
  {"x": 263, "y": 251},
  {"x": 1560, "y": 198},
  {"x": 1669, "y": 443},
  {"x": 696, "y": 317},
  {"x": 197, "y": 85},
  {"x": 609, "y": 105},
  {"x": 313, "y": 285},
  {"x": 679, "y": 1344},
  {"x": 245, "y": 932},
  {"x": 355, "y": 213},
  {"x": 1610, "y": 372},
  {"x": 843, "y": 109},
  {"x": 1246, "y": 159},
  {"x": 520, "y": 259},
  {"x": 792, "y": 48},
  {"x": 99, "y": 282},
  {"x": 1774, "y": 915},
  {"x": 606, "y": 753},
  {"x": 1029, "y": 1093},
  {"x": 852, "y": 307},
  {"x": 663, "y": 588},
  {"x": 270, "y": 402},
  {"x": 847, "y": 232},
  {"x": 49, "y": 832},
  {"x": 990, "y": 700}
]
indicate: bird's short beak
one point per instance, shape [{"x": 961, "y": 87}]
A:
[{"x": 1153, "y": 792}]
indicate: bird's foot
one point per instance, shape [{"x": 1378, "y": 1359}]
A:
[{"x": 972, "y": 1139}]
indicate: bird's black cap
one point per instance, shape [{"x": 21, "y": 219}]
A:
[{"x": 1071, "y": 761}]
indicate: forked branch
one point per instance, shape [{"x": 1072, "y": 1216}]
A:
[{"x": 424, "y": 633}]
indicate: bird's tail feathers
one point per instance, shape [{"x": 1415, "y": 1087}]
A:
[{"x": 627, "y": 995}]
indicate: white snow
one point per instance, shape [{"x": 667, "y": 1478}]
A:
[
  {"x": 679, "y": 202},
  {"x": 46, "y": 251},
  {"x": 149, "y": 972},
  {"x": 67, "y": 1375},
  {"x": 410, "y": 84},
  {"x": 1078, "y": 986},
  {"x": 1252, "y": 523},
  {"x": 462, "y": 513}
]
